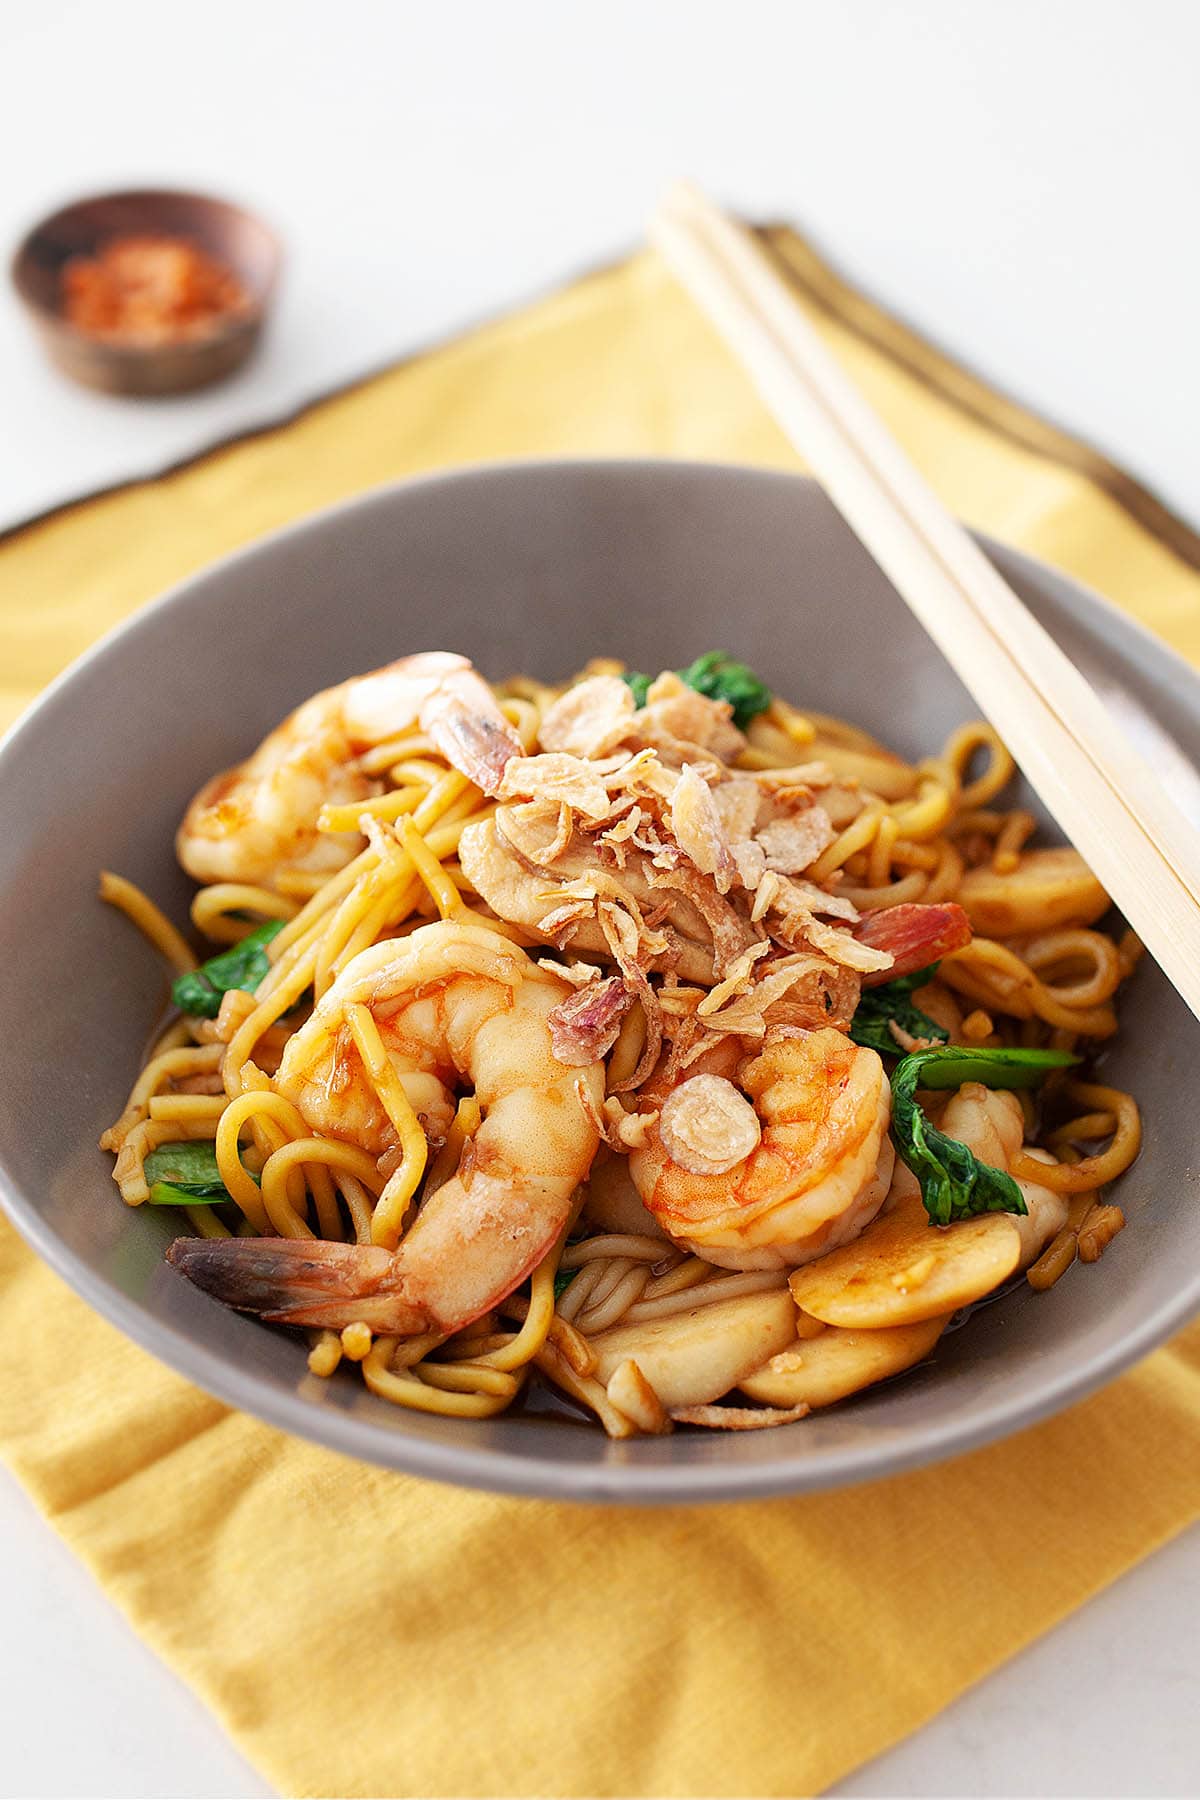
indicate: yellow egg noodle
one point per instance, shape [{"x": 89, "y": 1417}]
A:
[{"x": 583, "y": 961}]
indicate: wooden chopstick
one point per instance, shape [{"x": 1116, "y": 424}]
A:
[
  {"x": 1103, "y": 794},
  {"x": 859, "y": 447}
]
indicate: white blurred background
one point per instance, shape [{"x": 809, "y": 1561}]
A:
[{"x": 1018, "y": 179}]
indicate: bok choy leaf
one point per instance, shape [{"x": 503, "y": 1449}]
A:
[
  {"x": 954, "y": 1183},
  {"x": 181, "y": 1174},
  {"x": 243, "y": 965},
  {"x": 878, "y": 1006},
  {"x": 718, "y": 677}
]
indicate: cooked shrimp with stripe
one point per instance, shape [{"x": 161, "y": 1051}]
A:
[{"x": 650, "y": 1040}]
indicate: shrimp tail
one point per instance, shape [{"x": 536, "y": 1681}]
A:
[
  {"x": 464, "y": 721},
  {"x": 916, "y": 935},
  {"x": 300, "y": 1281}
]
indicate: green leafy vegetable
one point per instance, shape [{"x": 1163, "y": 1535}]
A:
[
  {"x": 878, "y": 1006},
  {"x": 243, "y": 966},
  {"x": 181, "y": 1174},
  {"x": 191, "y": 1166},
  {"x": 954, "y": 1183},
  {"x": 562, "y": 1281},
  {"x": 720, "y": 678},
  {"x": 165, "y": 1193}
]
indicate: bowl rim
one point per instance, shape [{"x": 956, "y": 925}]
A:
[
  {"x": 50, "y": 318},
  {"x": 499, "y": 1470}
]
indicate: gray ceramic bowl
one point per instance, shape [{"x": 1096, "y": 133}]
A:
[{"x": 527, "y": 567}]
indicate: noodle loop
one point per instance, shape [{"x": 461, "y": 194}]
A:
[{"x": 700, "y": 894}]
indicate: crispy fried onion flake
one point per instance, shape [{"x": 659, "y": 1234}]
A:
[{"x": 627, "y": 836}]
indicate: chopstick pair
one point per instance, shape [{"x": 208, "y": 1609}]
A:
[{"x": 1104, "y": 795}]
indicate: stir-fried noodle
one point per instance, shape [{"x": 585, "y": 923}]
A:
[{"x": 641, "y": 1050}]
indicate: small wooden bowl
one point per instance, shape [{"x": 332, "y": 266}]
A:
[{"x": 237, "y": 238}]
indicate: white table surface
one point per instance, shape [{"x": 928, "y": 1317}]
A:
[{"x": 1017, "y": 180}]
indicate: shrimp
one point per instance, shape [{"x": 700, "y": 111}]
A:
[
  {"x": 915, "y": 935},
  {"x": 251, "y": 820},
  {"x": 778, "y": 1182},
  {"x": 455, "y": 1003},
  {"x": 989, "y": 1121}
]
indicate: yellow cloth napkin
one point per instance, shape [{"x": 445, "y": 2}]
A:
[{"x": 360, "y": 1633}]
